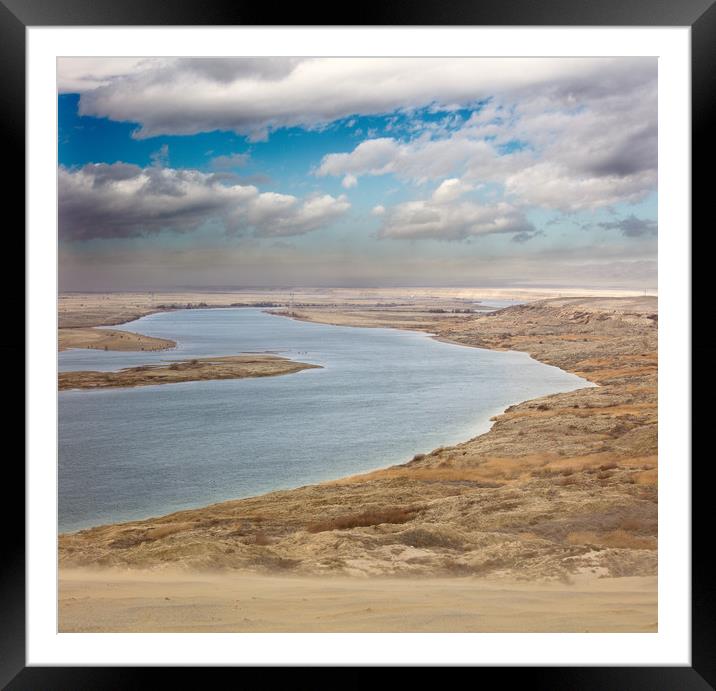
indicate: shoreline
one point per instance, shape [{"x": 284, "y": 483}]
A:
[{"x": 512, "y": 464}]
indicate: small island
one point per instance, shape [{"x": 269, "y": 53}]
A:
[
  {"x": 109, "y": 339},
  {"x": 197, "y": 369}
]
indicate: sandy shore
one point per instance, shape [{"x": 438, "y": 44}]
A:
[
  {"x": 109, "y": 339},
  {"x": 198, "y": 369},
  {"x": 165, "y": 602}
]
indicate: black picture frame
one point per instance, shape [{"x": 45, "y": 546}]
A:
[{"x": 16, "y": 15}]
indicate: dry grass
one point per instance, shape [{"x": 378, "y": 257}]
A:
[{"x": 617, "y": 539}]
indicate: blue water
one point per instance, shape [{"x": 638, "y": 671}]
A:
[{"x": 382, "y": 396}]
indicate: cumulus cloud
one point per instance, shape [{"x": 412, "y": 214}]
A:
[
  {"x": 569, "y": 169},
  {"x": 252, "y": 96},
  {"x": 449, "y": 190},
  {"x": 555, "y": 186},
  {"x": 121, "y": 200},
  {"x": 591, "y": 145},
  {"x": 445, "y": 217},
  {"x": 418, "y": 160},
  {"x": 631, "y": 226},
  {"x": 373, "y": 156}
]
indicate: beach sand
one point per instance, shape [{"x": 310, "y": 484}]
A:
[{"x": 115, "y": 601}]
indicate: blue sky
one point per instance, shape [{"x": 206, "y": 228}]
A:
[{"x": 262, "y": 172}]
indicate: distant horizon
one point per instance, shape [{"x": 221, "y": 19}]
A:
[
  {"x": 649, "y": 292},
  {"x": 357, "y": 172}
]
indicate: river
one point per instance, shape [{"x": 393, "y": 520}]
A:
[{"x": 381, "y": 396}]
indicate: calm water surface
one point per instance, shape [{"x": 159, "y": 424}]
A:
[{"x": 382, "y": 396}]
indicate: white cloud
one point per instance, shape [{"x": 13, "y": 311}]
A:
[
  {"x": 122, "y": 200},
  {"x": 374, "y": 156},
  {"x": 450, "y": 220},
  {"x": 556, "y": 187},
  {"x": 564, "y": 134},
  {"x": 449, "y": 190},
  {"x": 419, "y": 160},
  {"x": 562, "y": 149},
  {"x": 255, "y": 95}
]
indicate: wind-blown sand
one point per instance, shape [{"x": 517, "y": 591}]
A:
[
  {"x": 197, "y": 369},
  {"x": 561, "y": 489},
  {"x": 111, "y": 601}
]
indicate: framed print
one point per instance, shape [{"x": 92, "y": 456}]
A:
[{"x": 358, "y": 344}]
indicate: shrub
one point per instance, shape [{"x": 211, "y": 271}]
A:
[{"x": 364, "y": 519}]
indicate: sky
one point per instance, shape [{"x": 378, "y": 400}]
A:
[{"x": 179, "y": 173}]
